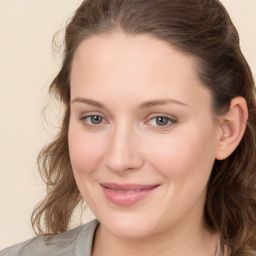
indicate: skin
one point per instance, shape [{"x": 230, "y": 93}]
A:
[{"x": 129, "y": 146}]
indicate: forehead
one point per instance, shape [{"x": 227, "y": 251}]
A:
[
  {"x": 132, "y": 65},
  {"x": 133, "y": 51}
]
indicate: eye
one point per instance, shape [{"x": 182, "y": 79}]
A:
[
  {"x": 162, "y": 121},
  {"x": 93, "y": 120}
]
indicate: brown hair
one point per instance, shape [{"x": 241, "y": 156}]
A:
[{"x": 204, "y": 29}]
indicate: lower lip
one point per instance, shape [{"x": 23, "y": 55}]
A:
[{"x": 126, "y": 198}]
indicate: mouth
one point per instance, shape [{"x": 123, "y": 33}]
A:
[{"x": 127, "y": 194}]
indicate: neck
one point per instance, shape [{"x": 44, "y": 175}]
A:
[{"x": 195, "y": 241}]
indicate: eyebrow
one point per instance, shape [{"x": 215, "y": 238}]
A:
[
  {"x": 143, "y": 105},
  {"x": 152, "y": 103},
  {"x": 89, "y": 102}
]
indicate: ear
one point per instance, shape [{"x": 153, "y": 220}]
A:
[{"x": 233, "y": 125}]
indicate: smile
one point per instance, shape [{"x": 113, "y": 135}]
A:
[{"x": 128, "y": 194}]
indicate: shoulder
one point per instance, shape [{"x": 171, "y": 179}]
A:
[{"x": 76, "y": 242}]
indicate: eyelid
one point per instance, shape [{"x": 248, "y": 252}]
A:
[
  {"x": 87, "y": 115},
  {"x": 171, "y": 119}
]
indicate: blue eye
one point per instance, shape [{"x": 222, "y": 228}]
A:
[
  {"x": 162, "y": 121},
  {"x": 96, "y": 119},
  {"x": 93, "y": 120}
]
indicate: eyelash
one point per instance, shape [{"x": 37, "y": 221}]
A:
[
  {"x": 171, "y": 121},
  {"x": 83, "y": 119}
]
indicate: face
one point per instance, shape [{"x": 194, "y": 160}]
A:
[{"x": 142, "y": 135}]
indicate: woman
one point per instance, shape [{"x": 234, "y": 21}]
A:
[{"x": 158, "y": 136}]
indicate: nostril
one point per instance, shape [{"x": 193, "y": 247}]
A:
[{"x": 124, "y": 165}]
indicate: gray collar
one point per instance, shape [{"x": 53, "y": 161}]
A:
[{"x": 218, "y": 252}]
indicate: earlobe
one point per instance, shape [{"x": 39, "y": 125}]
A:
[{"x": 233, "y": 125}]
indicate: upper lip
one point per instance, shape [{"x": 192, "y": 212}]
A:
[{"x": 128, "y": 187}]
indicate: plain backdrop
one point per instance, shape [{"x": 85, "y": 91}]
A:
[{"x": 27, "y": 66}]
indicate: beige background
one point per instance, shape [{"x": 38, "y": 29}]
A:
[{"x": 26, "y": 68}]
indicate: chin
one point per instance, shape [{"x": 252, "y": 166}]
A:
[{"x": 129, "y": 227}]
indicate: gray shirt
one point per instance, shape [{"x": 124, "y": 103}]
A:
[{"x": 75, "y": 242}]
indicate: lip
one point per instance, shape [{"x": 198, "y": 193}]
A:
[{"x": 127, "y": 194}]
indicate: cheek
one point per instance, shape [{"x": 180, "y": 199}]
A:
[
  {"x": 85, "y": 152},
  {"x": 184, "y": 154},
  {"x": 85, "y": 155}
]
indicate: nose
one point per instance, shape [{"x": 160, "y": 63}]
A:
[{"x": 123, "y": 154}]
